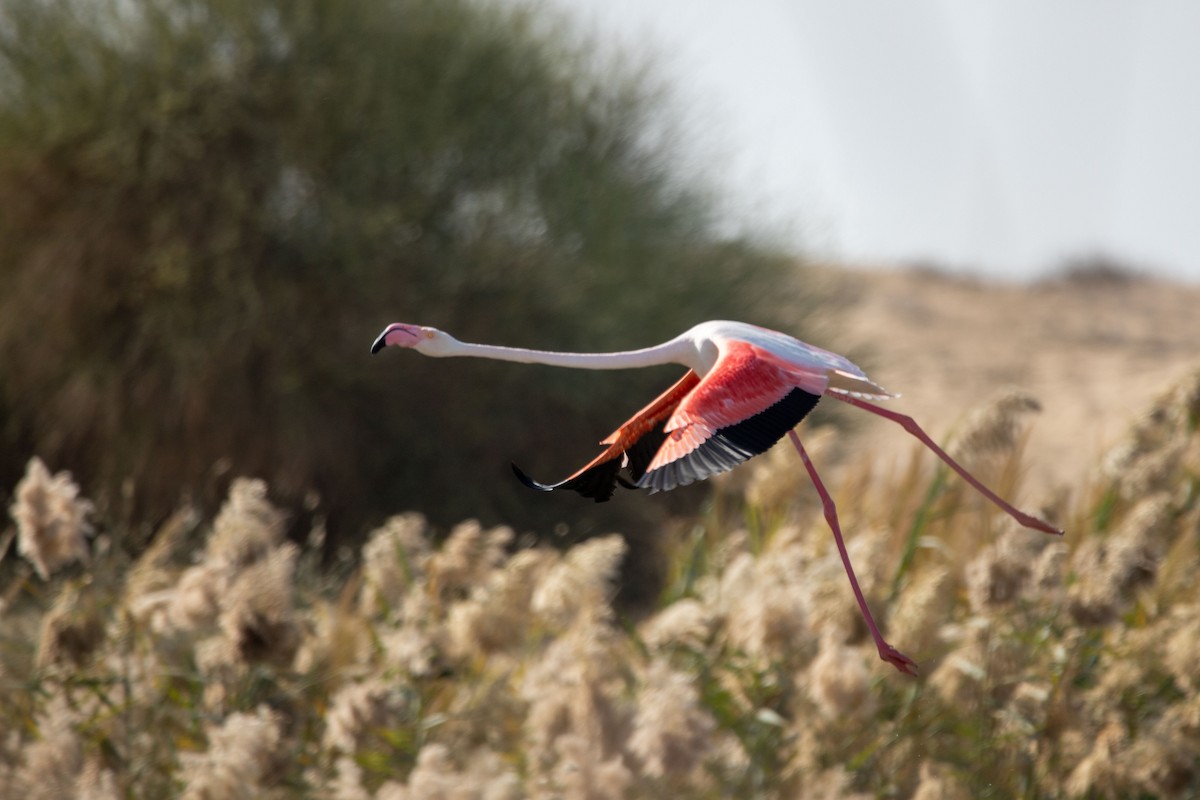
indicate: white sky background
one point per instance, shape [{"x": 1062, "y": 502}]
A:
[{"x": 991, "y": 136}]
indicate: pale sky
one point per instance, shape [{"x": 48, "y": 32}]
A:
[{"x": 993, "y": 136}]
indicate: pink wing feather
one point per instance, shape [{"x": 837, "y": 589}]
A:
[{"x": 748, "y": 401}]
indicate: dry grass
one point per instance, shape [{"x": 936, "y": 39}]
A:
[
  {"x": 221, "y": 664},
  {"x": 1093, "y": 352}
]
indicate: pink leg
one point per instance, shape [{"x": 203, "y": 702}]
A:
[
  {"x": 912, "y": 427},
  {"x": 886, "y": 651}
]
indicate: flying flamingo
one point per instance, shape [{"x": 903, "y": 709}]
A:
[{"x": 745, "y": 388}]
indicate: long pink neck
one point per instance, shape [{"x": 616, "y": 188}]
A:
[{"x": 672, "y": 352}]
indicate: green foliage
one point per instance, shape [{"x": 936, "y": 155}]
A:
[{"x": 212, "y": 206}]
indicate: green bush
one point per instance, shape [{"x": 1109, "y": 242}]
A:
[{"x": 212, "y": 206}]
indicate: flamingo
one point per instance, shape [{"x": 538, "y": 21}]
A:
[{"x": 745, "y": 388}]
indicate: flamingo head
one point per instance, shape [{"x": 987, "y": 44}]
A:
[{"x": 421, "y": 338}]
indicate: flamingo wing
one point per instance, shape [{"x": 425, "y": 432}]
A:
[
  {"x": 743, "y": 406},
  {"x": 633, "y": 446}
]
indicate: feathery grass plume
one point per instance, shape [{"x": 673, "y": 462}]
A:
[
  {"x": 436, "y": 776},
  {"x": 672, "y": 733},
  {"x": 723, "y": 549},
  {"x": 685, "y": 623},
  {"x": 255, "y": 618},
  {"x": 497, "y": 616},
  {"x": 341, "y": 641},
  {"x": 195, "y": 601},
  {"x": 581, "y": 772},
  {"x": 831, "y": 604},
  {"x": 143, "y": 666},
  {"x": 245, "y": 758},
  {"x": 1002, "y": 570},
  {"x": 1181, "y": 653},
  {"x": 52, "y": 519},
  {"x": 487, "y": 707},
  {"x": 830, "y": 784},
  {"x": 411, "y": 649},
  {"x": 581, "y": 585},
  {"x": 1150, "y": 455},
  {"x": 574, "y": 690},
  {"x": 986, "y": 663},
  {"x": 764, "y": 607},
  {"x": 1156, "y": 471},
  {"x": 415, "y": 643},
  {"x": 839, "y": 683},
  {"x": 258, "y": 617},
  {"x": 347, "y": 781},
  {"x": 465, "y": 559},
  {"x": 988, "y": 445},
  {"x": 150, "y": 585},
  {"x": 71, "y": 630},
  {"x": 751, "y": 610},
  {"x": 1164, "y": 759},
  {"x": 810, "y": 745},
  {"x": 1163, "y": 762},
  {"x": 1174, "y": 413},
  {"x": 993, "y": 430},
  {"x": 96, "y": 782},
  {"x": 50, "y": 765},
  {"x": 358, "y": 712},
  {"x": 393, "y": 559},
  {"x": 922, "y": 607},
  {"x": 1145, "y": 533},
  {"x": 220, "y": 672},
  {"x": 391, "y": 790},
  {"x": 1123, "y": 675},
  {"x": 1103, "y": 771},
  {"x": 778, "y": 480},
  {"x": 1049, "y": 571},
  {"x": 728, "y": 758},
  {"x": 1175, "y": 581},
  {"x": 939, "y": 782},
  {"x": 1071, "y": 745},
  {"x": 1023, "y": 717},
  {"x": 1093, "y": 598},
  {"x": 1030, "y": 698},
  {"x": 1108, "y": 567},
  {"x": 247, "y": 527}
]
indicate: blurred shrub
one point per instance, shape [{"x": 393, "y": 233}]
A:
[
  {"x": 1095, "y": 270},
  {"x": 212, "y": 206}
]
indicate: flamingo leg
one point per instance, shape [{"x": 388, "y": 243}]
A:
[
  {"x": 910, "y": 425},
  {"x": 886, "y": 651}
]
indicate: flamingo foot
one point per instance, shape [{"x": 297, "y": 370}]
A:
[
  {"x": 1030, "y": 521},
  {"x": 897, "y": 659}
]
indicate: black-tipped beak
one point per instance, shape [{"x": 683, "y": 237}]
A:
[{"x": 379, "y": 343}]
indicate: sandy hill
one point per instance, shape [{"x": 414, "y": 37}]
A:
[{"x": 1094, "y": 350}]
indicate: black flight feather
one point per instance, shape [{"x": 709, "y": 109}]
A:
[{"x": 723, "y": 451}]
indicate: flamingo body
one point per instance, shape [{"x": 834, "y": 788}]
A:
[
  {"x": 756, "y": 385},
  {"x": 701, "y": 427},
  {"x": 745, "y": 388}
]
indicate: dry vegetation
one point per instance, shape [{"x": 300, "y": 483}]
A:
[
  {"x": 220, "y": 663},
  {"x": 1094, "y": 347}
]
